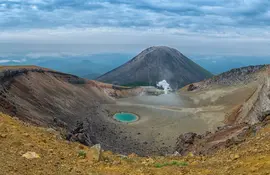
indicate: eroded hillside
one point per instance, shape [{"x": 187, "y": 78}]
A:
[
  {"x": 64, "y": 102},
  {"x": 244, "y": 109}
]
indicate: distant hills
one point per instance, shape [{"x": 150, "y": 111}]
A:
[
  {"x": 156, "y": 64},
  {"x": 92, "y": 66},
  {"x": 220, "y": 64},
  {"x": 86, "y": 66}
]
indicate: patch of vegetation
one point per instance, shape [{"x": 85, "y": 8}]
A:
[
  {"x": 127, "y": 159},
  {"x": 82, "y": 154},
  {"x": 173, "y": 163},
  {"x": 124, "y": 157},
  {"x": 63, "y": 133},
  {"x": 136, "y": 84}
]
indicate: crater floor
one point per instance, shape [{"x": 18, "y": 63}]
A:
[{"x": 163, "y": 118}]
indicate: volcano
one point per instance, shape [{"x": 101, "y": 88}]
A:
[{"x": 156, "y": 64}]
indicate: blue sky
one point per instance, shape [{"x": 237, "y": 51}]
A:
[{"x": 210, "y": 27}]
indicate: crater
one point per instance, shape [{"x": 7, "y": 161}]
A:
[{"x": 125, "y": 117}]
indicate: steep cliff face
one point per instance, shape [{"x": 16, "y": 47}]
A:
[
  {"x": 257, "y": 108},
  {"x": 156, "y": 64}
]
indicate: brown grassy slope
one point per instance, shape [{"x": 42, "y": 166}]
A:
[
  {"x": 21, "y": 67},
  {"x": 58, "y": 156}
]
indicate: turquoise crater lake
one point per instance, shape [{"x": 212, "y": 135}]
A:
[{"x": 125, "y": 117}]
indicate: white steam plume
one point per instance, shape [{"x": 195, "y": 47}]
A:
[{"x": 163, "y": 84}]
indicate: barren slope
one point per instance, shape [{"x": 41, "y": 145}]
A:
[
  {"x": 244, "y": 108},
  {"x": 64, "y": 102}
]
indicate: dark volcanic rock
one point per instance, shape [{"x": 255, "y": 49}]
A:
[
  {"x": 264, "y": 115},
  {"x": 156, "y": 64},
  {"x": 210, "y": 142},
  {"x": 184, "y": 142},
  {"x": 192, "y": 87},
  {"x": 80, "y": 134}
]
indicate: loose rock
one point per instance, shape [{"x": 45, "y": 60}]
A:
[
  {"x": 94, "y": 154},
  {"x": 3, "y": 135},
  {"x": 30, "y": 155}
]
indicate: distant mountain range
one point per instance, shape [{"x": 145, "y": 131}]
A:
[
  {"x": 220, "y": 64},
  {"x": 93, "y": 66},
  {"x": 86, "y": 66}
]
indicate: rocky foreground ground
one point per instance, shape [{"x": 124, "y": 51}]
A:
[{"x": 25, "y": 149}]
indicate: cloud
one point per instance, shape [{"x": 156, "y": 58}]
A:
[
  {"x": 137, "y": 22},
  {"x": 4, "y": 61},
  {"x": 63, "y": 41},
  {"x": 14, "y": 61},
  {"x": 194, "y": 15}
]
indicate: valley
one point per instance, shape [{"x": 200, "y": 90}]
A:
[
  {"x": 63, "y": 101},
  {"x": 163, "y": 118}
]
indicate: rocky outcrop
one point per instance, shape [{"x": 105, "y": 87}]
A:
[
  {"x": 185, "y": 141},
  {"x": 80, "y": 134},
  {"x": 258, "y": 107},
  {"x": 192, "y": 87},
  {"x": 242, "y": 75},
  {"x": 210, "y": 142},
  {"x": 95, "y": 153}
]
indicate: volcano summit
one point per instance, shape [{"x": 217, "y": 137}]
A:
[{"x": 154, "y": 65}]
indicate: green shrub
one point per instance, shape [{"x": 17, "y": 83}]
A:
[
  {"x": 173, "y": 163},
  {"x": 82, "y": 154},
  {"x": 136, "y": 84},
  {"x": 158, "y": 165},
  {"x": 182, "y": 164}
]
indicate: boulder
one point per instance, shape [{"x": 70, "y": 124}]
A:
[
  {"x": 95, "y": 153},
  {"x": 80, "y": 134},
  {"x": 184, "y": 142},
  {"x": 30, "y": 155},
  {"x": 192, "y": 87}
]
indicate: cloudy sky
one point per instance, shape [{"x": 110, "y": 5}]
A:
[{"x": 215, "y": 27}]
